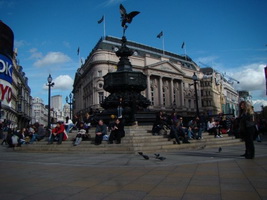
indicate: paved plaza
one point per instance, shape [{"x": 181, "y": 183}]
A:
[{"x": 188, "y": 174}]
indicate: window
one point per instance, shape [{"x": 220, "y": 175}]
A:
[
  {"x": 174, "y": 96},
  {"x": 99, "y": 73},
  {"x": 164, "y": 96},
  {"x": 152, "y": 96},
  {"x": 189, "y": 103},
  {"x": 100, "y": 97}
]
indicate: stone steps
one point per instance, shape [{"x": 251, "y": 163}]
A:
[{"x": 137, "y": 138}]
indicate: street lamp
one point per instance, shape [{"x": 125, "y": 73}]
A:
[
  {"x": 50, "y": 84},
  {"x": 195, "y": 78},
  {"x": 70, "y": 102}
]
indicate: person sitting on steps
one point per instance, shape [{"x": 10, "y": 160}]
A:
[
  {"x": 100, "y": 131},
  {"x": 80, "y": 135},
  {"x": 117, "y": 132},
  {"x": 178, "y": 134},
  {"x": 57, "y": 132}
]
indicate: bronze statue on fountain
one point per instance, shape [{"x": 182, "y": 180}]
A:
[{"x": 125, "y": 85}]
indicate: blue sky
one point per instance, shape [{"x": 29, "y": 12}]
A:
[{"x": 228, "y": 35}]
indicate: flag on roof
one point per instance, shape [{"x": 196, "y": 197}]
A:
[
  {"x": 101, "y": 20},
  {"x": 160, "y": 34},
  {"x": 183, "y": 45}
]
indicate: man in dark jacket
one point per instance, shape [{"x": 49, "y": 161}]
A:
[{"x": 100, "y": 131}]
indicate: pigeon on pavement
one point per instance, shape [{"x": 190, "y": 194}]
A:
[
  {"x": 143, "y": 155},
  {"x": 159, "y": 157}
]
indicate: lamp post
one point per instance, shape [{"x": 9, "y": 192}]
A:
[
  {"x": 195, "y": 78},
  {"x": 70, "y": 102},
  {"x": 50, "y": 84}
]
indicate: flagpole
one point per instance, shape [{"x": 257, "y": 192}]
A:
[
  {"x": 161, "y": 34},
  {"x": 184, "y": 47},
  {"x": 79, "y": 57},
  {"x": 163, "y": 44},
  {"x": 185, "y": 50},
  {"x": 79, "y": 60},
  {"x": 104, "y": 24}
]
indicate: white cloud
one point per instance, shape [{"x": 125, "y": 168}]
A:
[
  {"x": 62, "y": 82},
  {"x": 251, "y": 77},
  {"x": 52, "y": 58},
  {"x": 35, "y": 54},
  {"x": 20, "y": 43},
  {"x": 258, "y": 103}
]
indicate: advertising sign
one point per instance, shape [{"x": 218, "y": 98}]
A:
[
  {"x": 5, "y": 79},
  {"x": 6, "y": 66}
]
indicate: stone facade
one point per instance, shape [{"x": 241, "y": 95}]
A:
[
  {"x": 217, "y": 94},
  {"x": 169, "y": 77},
  {"x": 39, "y": 111},
  {"x": 169, "y": 81}
]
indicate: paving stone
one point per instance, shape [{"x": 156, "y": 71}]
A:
[{"x": 185, "y": 174}]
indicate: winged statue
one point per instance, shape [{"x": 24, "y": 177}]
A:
[{"x": 126, "y": 18}]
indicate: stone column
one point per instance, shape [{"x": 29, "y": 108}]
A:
[
  {"x": 171, "y": 92},
  {"x": 182, "y": 94},
  {"x": 148, "y": 90},
  {"x": 160, "y": 92}
]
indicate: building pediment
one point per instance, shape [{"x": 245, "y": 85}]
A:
[{"x": 165, "y": 66}]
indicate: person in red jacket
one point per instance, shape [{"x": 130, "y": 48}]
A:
[{"x": 58, "y": 132}]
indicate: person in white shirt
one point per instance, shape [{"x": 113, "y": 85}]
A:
[
  {"x": 213, "y": 128},
  {"x": 68, "y": 124}
]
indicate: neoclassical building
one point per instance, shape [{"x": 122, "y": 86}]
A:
[{"x": 169, "y": 77}]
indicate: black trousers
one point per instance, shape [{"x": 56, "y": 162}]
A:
[
  {"x": 98, "y": 139},
  {"x": 115, "y": 135},
  {"x": 249, "y": 143},
  {"x": 59, "y": 136}
]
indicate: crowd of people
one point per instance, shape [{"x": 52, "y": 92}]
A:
[
  {"x": 113, "y": 132},
  {"x": 27, "y": 135},
  {"x": 174, "y": 127},
  {"x": 245, "y": 126}
]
